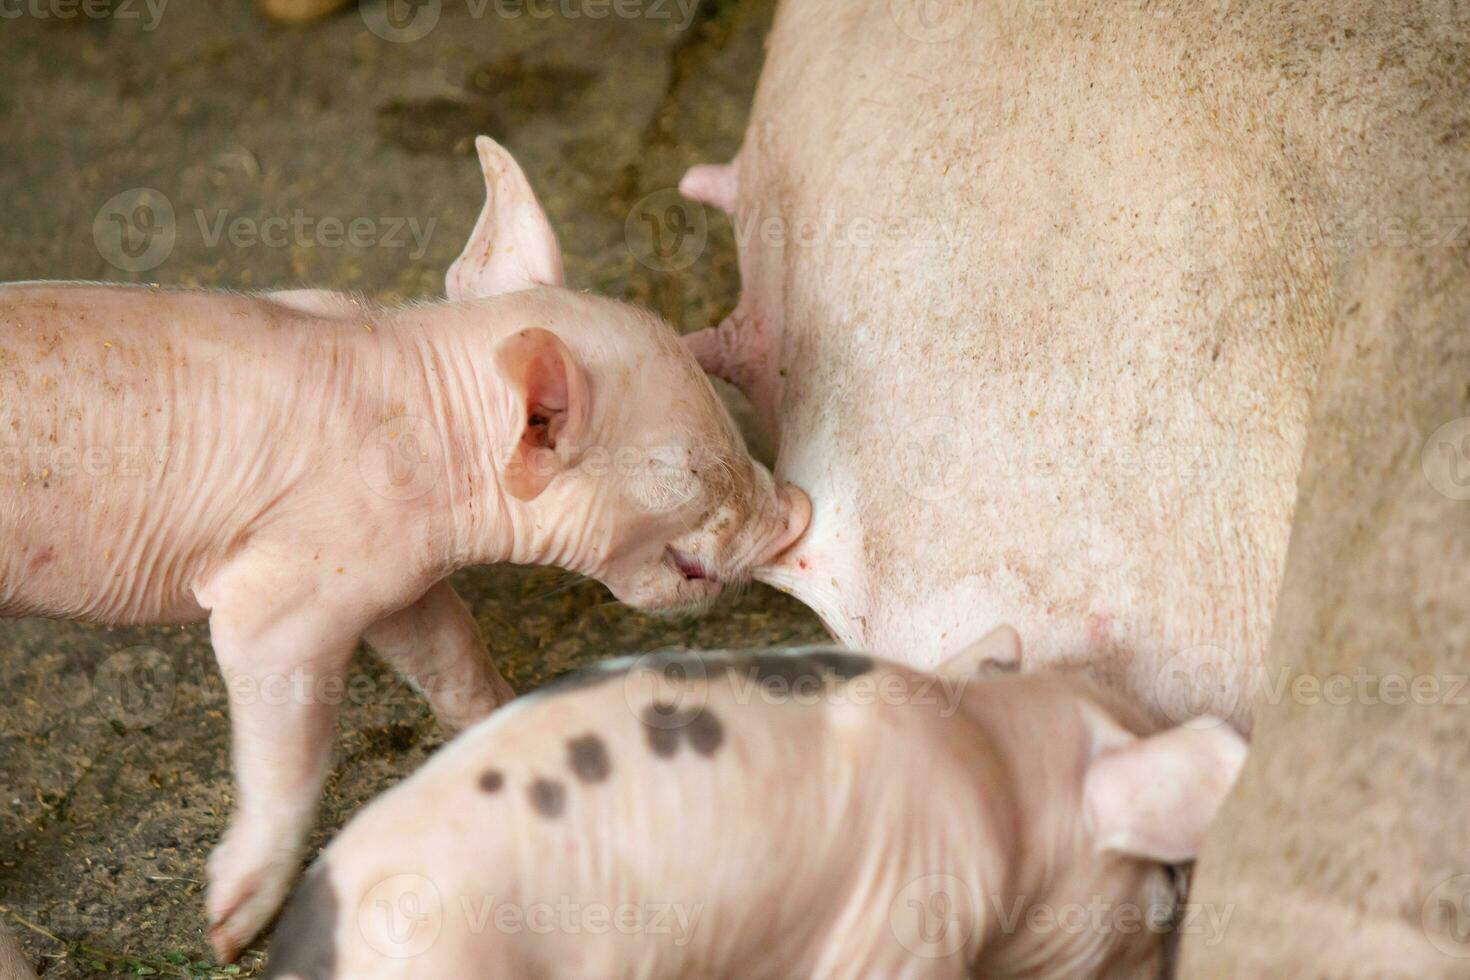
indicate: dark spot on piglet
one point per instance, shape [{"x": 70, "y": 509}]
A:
[
  {"x": 548, "y": 797},
  {"x": 304, "y": 945},
  {"x": 587, "y": 756},
  {"x": 491, "y": 780},
  {"x": 662, "y": 722},
  {"x": 667, "y": 725},
  {"x": 843, "y": 665},
  {"x": 782, "y": 671},
  {"x": 706, "y": 733}
]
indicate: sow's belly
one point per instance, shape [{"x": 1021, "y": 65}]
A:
[
  {"x": 1056, "y": 382},
  {"x": 1159, "y": 584}
]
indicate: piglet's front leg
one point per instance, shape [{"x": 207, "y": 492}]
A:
[
  {"x": 281, "y": 668},
  {"x": 436, "y": 644}
]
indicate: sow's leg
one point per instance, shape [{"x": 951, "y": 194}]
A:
[{"x": 1345, "y": 850}]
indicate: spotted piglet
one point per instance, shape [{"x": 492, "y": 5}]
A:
[{"x": 783, "y": 814}]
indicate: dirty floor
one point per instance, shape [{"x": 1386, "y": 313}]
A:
[{"x": 153, "y": 142}]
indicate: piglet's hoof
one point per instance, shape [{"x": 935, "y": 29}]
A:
[{"x": 245, "y": 890}]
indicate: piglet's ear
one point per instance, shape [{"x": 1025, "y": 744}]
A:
[
  {"x": 1153, "y": 798},
  {"x": 997, "y": 652},
  {"x": 512, "y": 247},
  {"x": 551, "y": 398}
]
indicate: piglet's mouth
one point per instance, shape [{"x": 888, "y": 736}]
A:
[{"x": 691, "y": 567}]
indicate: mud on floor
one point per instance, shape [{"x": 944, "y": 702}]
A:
[{"x": 113, "y": 745}]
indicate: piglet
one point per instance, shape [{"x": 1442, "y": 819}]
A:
[
  {"x": 305, "y": 469},
  {"x": 773, "y": 814},
  {"x": 12, "y": 962}
]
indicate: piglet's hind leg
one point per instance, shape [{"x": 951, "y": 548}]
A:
[{"x": 436, "y": 644}]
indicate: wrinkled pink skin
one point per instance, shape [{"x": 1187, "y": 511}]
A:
[
  {"x": 182, "y": 456},
  {"x": 1011, "y": 315},
  {"x": 12, "y": 965},
  {"x": 806, "y": 843}
]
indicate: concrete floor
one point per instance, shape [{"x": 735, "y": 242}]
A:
[{"x": 113, "y": 751}]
